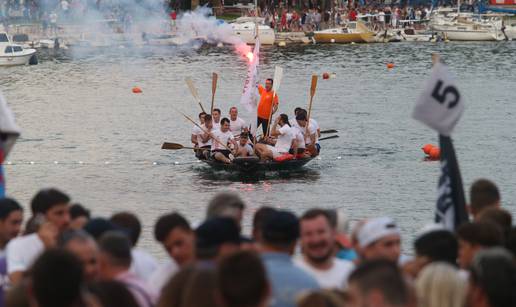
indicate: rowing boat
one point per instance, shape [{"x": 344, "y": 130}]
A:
[{"x": 254, "y": 165}]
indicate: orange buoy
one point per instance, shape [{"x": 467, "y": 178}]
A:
[
  {"x": 137, "y": 90},
  {"x": 390, "y": 65},
  {"x": 435, "y": 153},
  {"x": 427, "y": 148},
  {"x": 326, "y": 76}
]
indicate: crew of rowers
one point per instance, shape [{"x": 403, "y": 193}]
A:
[{"x": 227, "y": 138}]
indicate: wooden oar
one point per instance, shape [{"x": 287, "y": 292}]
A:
[
  {"x": 214, "y": 78},
  {"x": 329, "y": 137},
  {"x": 278, "y": 75},
  {"x": 176, "y": 146},
  {"x": 202, "y": 129},
  {"x": 329, "y": 131},
  {"x": 194, "y": 92},
  {"x": 313, "y": 86}
]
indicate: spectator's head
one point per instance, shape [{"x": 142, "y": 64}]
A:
[
  {"x": 379, "y": 238},
  {"x": 326, "y": 298},
  {"x": 129, "y": 223},
  {"x": 56, "y": 279},
  {"x": 483, "y": 194},
  {"x": 84, "y": 247},
  {"x": 510, "y": 243},
  {"x": 436, "y": 246},
  {"x": 216, "y": 237},
  {"x": 112, "y": 293},
  {"x": 242, "y": 280},
  {"x": 317, "y": 236},
  {"x": 280, "y": 232},
  {"x": 501, "y": 217},
  {"x": 473, "y": 237},
  {"x": 199, "y": 290},
  {"x": 440, "y": 285},
  {"x": 79, "y": 216},
  {"x": 258, "y": 220},
  {"x": 11, "y": 218},
  {"x": 377, "y": 283},
  {"x": 54, "y": 206},
  {"x": 492, "y": 279},
  {"x": 97, "y": 226},
  {"x": 172, "y": 292},
  {"x": 115, "y": 254},
  {"x": 174, "y": 233},
  {"x": 226, "y": 204}
]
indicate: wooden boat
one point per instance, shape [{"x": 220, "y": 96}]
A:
[
  {"x": 355, "y": 32},
  {"x": 254, "y": 164}
]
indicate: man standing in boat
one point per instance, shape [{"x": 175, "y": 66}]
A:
[{"x": 268, "y": 101}]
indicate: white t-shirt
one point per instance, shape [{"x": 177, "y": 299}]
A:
[
  {"x": 143, "y": 264},
  {"x": 198, "y": 132},
  {"x": 284, "y": 139},
  {"x": 312, "y": 130},
  {"x": 236, "y": 126},
  {"x": 248, "y": 148},
  {"x": 22, "y": 251},
  {"x": 222, "y": 137},
  {"x": 334, "y": 278},
  {"x": 216, "y": 126},
  {"x": 162, "y": 275},
  {"x": 300, "y": 138}
]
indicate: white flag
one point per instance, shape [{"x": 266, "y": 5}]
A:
[
  {"x": 250, "y": 94},
  {"x": 7, "y": 123},
  {"x": 440, "y": 105}
]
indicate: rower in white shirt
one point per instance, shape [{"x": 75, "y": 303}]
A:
[
  {"x": 285, "y": 140},
  {"x": 310, "y": 134},
  {"x": 216, "y": 118},
  {"x": 236, "y": 124},
  {"x": 196, "y": 130},
  {"x": 221, "y": 139},
  {"x": 203, "y": 137}
]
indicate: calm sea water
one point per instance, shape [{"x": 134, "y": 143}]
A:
[{"x": 88, "y": 134}]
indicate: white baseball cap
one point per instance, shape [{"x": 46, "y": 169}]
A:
[{"x": 375, "y": 229}]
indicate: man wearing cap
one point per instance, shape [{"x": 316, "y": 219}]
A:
[
  {"x": 318, "y": 249},
  {"x": 215, "y": 238},
  {"x": 280, "y": 232},
  {"x": 379, "y": 238}
]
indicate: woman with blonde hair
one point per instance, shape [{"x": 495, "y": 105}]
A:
[{"x": 440, "y": 285}]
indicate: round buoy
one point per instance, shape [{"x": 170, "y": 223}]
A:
[
  {"x": 326, "y": 76},
  {"x": 332, "y": 40},
  {"x": 137, "y": 90},
  {"x": 435, "y": 153},
  {"x": 220, "y": 45},
  {"x": 390, "y": 65},
  {"x": 282, "y": 44},
  {"x": 427, "y": 148},
  {"x": 33, "y": 60}
]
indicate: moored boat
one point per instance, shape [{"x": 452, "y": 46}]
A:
[
  {"x": 354, "y": 32},
  {"x": 244, "y": 28},
  {"x": 12, "y": 54},
  {"x": 251, "y": 165}
]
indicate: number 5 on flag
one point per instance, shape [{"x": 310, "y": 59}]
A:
[{"x": 440, "y": 105}]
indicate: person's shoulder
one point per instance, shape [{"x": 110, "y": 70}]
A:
[
  {"x": 23, "y": 241},
  {"x": 343, "y": 264}
]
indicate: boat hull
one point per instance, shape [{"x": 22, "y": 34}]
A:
[
  {"x": 254, "y": 165},
  {"x": 343, "y": 38},
  {"x": 246, "y": 32},
  {"x": 17, "y": 59}
]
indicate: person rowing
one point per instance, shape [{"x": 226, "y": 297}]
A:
[
  {"x": 203, "y": 137},
  {"x": 222, "y": 138},
  {"x": 268, "y": 102},
  {"x": 245, "y": 149},
  {"x": 196, "y": 130},
  {"x": 285, "y": 140},
  {"x": 236, "y": 124},
  {"x": 216, "y": 118},
  {"x": 293, "y": 122},
  {"x": 310, "y": 133}
]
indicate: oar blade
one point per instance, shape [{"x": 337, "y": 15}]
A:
[
  {"x": 313, "y": 86},
  {"x": 329, "y": 137},
  {"x": 278, "y": 75},
  {"x": 171, "y": 146},
  {"x": 193, "y": 91},
  {"x": 329, "y": 131},
  {"x": 214, "y": 79}
]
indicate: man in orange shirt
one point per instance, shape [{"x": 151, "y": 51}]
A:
[{"x": 265, "y": 105}]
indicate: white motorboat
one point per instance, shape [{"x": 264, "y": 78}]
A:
[
  {"x": 410, "y": 35},
  {"x": 12, "y": 54},
  {"x": 244, "y": 28},
  {"x": 468, "y": 27}
]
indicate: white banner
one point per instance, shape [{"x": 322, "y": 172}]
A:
[
  {"x": 7, "y": 123},
  {"x": 250, "y": 94},
  {"x": 440, "y": 105}
]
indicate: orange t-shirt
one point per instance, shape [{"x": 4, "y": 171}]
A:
[{"x": 265, "y": 105}]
